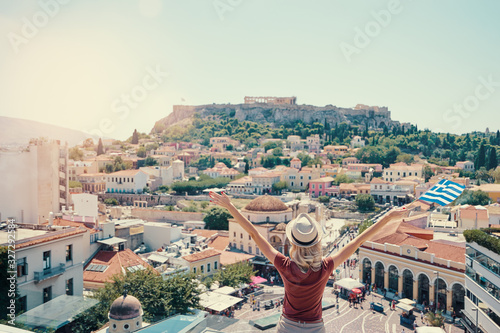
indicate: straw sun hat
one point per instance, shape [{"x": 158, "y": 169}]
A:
[{"x": 303, "y": 231}]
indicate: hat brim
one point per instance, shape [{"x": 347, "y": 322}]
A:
[{"x": 292, "y": 239}]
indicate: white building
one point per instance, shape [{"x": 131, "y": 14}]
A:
[
  {"x": 34, "y": 181},
  {"x": 313, "y": 143},
  {"x": 49, "y": 263},
  {"x": 400, "y": 170},
  {"x": 465, "y": 165},
  {"x": 482, "y": 284},
  {"x": 126, "y": 181},
  {"x": 168, "y": 175},
  {"x": 357, "y": 142},
  {"x": 157, "y": 234},
  {"x": 85, "y": 204}
]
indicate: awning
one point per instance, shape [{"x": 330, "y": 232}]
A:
[
  {"x": 407, "y": 301},
  {"x": 57, "y": 312},
  {"x": 349, "y": 284},
  {"x": 158, "y": 258},
  {"x": 226, "y": 290},
  {"x": 257, "y": 279},
  {"x": 218, "y": 302},
  {"x": 111, "y": 241},
  {"x": 405, "y": 307}
]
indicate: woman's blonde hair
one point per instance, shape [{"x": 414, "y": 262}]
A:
[{"x": 307, "y": 257}]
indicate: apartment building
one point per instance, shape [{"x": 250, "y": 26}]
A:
[{"x": 482, "y": 284}]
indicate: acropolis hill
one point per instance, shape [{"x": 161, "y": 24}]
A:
[{"x": 282, "y": 111}]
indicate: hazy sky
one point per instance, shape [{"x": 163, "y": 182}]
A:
[{"x": 112, "y": 66}]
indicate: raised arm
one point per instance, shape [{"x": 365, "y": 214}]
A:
[
  {"x": 264, "y": 246},
  {"x": 352, "y": 246}
]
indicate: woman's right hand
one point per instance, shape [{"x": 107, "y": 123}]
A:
[{"x": 221, "y": 200}]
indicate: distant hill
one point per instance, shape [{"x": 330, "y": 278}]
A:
[{"x": 15, "y": 131}]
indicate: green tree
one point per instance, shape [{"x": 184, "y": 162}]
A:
[
  {"x": 135, "y": 137},
  {"x": 392, "y": 155},
  {"x": 428, "y": 173},
  {"x": 229, "y": 147},
  {"x": 406, "y": 158},
  {"x": 235, "y": 274},
  {"x": 474, "y": 198},
  {"x": 480, "y": 158},
  {"x": 159, "y": 298},
  {"x": 217, "y": 219},
  {"x": 492, "y": 159},
  {"x": 75, "y": 154},
  {"x": 74, "y": 184},
  {"x": 365, "y": 202},
  {"x": 342, "y": 178},
  {"x": 324, "y": 199},
  {"x": 100, "y": 147},
  {"x": 111, "y": 201},
  {"x": 278, "y": 187},
  {"x": 141, "y": 152},
  {"x": 434, "y": 319},
  {"x": 150, "y": 161}
]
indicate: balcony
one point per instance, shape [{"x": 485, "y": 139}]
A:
[{"x": 50, "y": 273}]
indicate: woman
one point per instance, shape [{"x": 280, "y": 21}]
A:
[{"x": 306, "y": 272}]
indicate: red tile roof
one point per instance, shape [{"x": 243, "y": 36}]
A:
[
  {"x": 204, "y": 232},
  {"x": 220, "y": 243},
  {"x": 201, "y": 255},
  {"x": 117, "y": 261},
  {"x": 229, "y": 258}
]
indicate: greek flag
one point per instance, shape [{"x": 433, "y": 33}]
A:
[{"x": 443, "y": 193}]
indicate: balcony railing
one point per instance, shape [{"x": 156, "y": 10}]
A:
[{"x": 49, "y": 273}]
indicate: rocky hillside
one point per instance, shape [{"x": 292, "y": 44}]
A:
[{"x": 278, "y": 115}]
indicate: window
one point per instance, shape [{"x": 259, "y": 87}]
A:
[
  {"x": 69, "y": 287},
  {"x": 46, "y": 260},
  {"x": 241, "y": 247},
  {"x": 126, "y": 326},
  {"x": 69, "y": 252},
  {"x": 235, "y": 234},
  {"x": 313, "y": 186},
  {"x": 249, "y": 249},
  {"x": 93, "y": 237},
  {"x": 215, "y": 264},
  {"x": 241, "y": 235},
  {"x": 249, "y": 237},
  {"x": 22, "y": 267},
  {"x": 47, "y": 294},
  {"x": 23, "y": 303},
  {"x": 257, "y": 250},
  {"x": 320, "y": 186},
  {"x": 208, "y": 268},
  {"x": 267, "y": 218},
  {"x": 202, "y": 269},
  {"x": 194, "y": 269}
]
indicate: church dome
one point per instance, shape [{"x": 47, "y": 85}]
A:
[
  {"x": 266, "y": 203},
  {"x": 125, "y": 307}
]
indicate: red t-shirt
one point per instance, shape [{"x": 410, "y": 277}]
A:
[{"x": 303, "y": 291}]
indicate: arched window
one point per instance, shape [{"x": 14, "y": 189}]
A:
[
  {"x": 379, "y": 275},
  {"x": 367, "y": 271},
  {"x": 423, "y": 289},
  {"x": 407, "y": 284},
  {"x": 457, "y": 297},
  {"x": 393, "y": 278}
]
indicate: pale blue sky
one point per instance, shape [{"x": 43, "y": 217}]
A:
[{"x": 74, "y": 68}]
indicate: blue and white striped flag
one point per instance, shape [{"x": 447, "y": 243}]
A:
[{"x": 443, "y": 193}]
